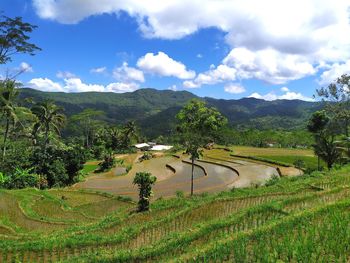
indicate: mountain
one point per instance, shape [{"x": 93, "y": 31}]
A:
[{"x": 154, "y": 110}]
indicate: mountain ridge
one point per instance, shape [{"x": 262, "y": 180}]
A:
[{"x": 154, "y": 110}]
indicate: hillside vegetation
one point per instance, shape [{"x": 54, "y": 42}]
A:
[
  {"x": 294, "y": 219},
  {"x": 155, "y": 110}
]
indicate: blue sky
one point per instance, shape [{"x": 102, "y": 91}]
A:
[{"x": 223, "y": 49}]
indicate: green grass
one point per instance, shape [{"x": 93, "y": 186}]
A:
[
  {"x": 299, "y": 219},
  {"x": 89, "y": 168},
  {"x": 310, "y": 161}
]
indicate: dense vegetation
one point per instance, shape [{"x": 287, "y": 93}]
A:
[
  {"x": 294, "y": 219},
  {"x": 154, "y": 110}
]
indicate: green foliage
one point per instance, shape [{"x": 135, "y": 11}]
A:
[
  {"x": 107, "y": 164},
  {"x": 325, "y": 132},
  {"x": 146, "y": 156},
  {"x": 198, "y": 125},
  {"x": 144, "y": 181},
  {"x": 22, "y": 179},
  {"x": 154, "y": 111},
  {"x": 14, "y": 38},
  {"x": 272, "y": 181}
]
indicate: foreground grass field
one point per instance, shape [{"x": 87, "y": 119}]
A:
[{"x": 294, "y": 219}]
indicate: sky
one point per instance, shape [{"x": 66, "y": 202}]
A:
[{"x": 229, "y": 49}]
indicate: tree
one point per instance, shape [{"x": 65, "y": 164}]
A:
[
  {"x": 50, "y": 118},
  {"x": 87, "y": 123},
  {"x": 144, "y": 181},
  {"x": 325, "y": 134},
  {"x": 14, "y": 38},
  {"x": 129, "y": 133},
  {"x": 197, "y": 126},
  {"x": 337, "y": 96},
  {"x": 8, "y": 95}
]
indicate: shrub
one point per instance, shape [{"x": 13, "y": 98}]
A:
[
  {"x": 146, "y": 156},
  {"x": 144, "y": 181},
  {"x": 107, "y": 164},
  {"x": 21, "y": 178}
]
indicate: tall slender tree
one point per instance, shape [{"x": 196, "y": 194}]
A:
[
  {"x": 50, "y": 118},
  {"x": 197, "y": 127},
  {"x": 8, "y": 95}
]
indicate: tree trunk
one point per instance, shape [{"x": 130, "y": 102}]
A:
[
  {"x": 5, "y": 139},
  {"x": 192, "y": 176},
  {"x": 46, "y": 138}
]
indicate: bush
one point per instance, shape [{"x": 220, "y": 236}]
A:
[
  {"x": 22, "y": 178},
  {"x": 146, "y": 156},
  {"x": 108, "y": 163}
]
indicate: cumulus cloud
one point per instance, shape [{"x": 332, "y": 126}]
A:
[
  {"x": 173, "y": 88},
  {"x": 126, "y": 73},
  {"x": 288, "y": 95},
  {"x": 234, "y": 88},
  {"x": 268, "y": 65},
  {"x": 213, "y": 76},
  {"x": 25, "y": 67},
  {"x": 76, "y": 85},
  {"x": 65, "y": 75},
  {"x": 271, "y": 40},
  {"x": 45, "y": 84},
  {"x": 333, "y": 72},
  {"x": 163, "y": 65},
  {"x": 99, "y": 70}
]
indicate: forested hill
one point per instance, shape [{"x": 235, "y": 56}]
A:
[{"x": 155, "y": 110}]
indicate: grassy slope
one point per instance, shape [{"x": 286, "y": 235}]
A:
[
  {"x": 242, "y": 225},
  {"x": 288, "y": 156}
]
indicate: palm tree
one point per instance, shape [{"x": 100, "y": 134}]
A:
[
  {"x": 129, "y": 132},
  {"x": 8, "y": 95},
  {"x": 50, "y": 118}
]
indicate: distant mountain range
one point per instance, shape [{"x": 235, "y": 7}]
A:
[{"x": 154, "y": 110}]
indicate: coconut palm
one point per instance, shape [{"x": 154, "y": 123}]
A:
[
  {"x": 50, "y": 118},
  {"x": 8, "y": 95},
  {"x": 129, "y": 133}
]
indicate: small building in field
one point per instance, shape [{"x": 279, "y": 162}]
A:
[
  {"x": 152, "y": 147},
  {"x": 143, "y": 146}
]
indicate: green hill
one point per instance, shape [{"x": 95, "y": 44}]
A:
[
  {"x": 300, "y": 219},
  {"x": 155, "y": 110}
]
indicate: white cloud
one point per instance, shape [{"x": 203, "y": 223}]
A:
[
  {"x": 25, "y": 67},
  {"x": 284, "y": 89},
  {"x": 333, "y": 72},
  {"x": 76, "y": 85},
  {"x": 126, "y": 73},
  {"x": 288, "y": 95},
  {"x": 213, "y": 76},
  {"x": 65, "y": 75},
  {"x": 268, "y": 65},
  {"x": 120, "y": 87},
  {"x": 173, "y": 88},
  {"x": 163, "y": 65},
  {"x": 99, "y": 70},
  {"x": 283, "y": 40},
  {"x": 234, "y": 88},
  {"x": 199, "y": 55},
  {"x": 45, "y": 84}
]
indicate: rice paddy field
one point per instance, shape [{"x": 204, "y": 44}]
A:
[
  {"x": 295, "y": 219},
  {"x": 283, "y": 155}
]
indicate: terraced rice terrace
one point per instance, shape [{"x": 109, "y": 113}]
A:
[
  {"x": 304, "y": 218},
  {"x": 216, "y": 171}
]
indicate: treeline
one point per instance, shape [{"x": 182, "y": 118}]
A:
[
  {"x": 33, "y": 153},
  {"x": 265, "y": 138}
]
